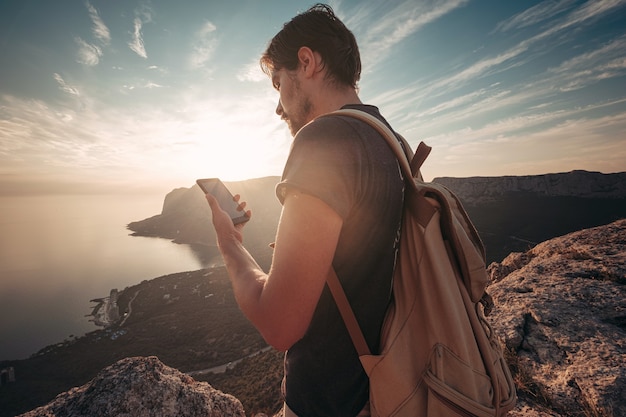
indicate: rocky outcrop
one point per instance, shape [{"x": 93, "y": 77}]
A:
[
  {"x": 141, "y": 387},
  {"x": 186, "y": 217},
  {"x": 476, "y": 190},
  {"x": 561, "y": 311}
]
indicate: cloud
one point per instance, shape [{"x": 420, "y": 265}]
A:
[
  {"x": 539, "y": 13},
  {"x": 593, "y": 9},
  {"x": 397, "y": 24},
  {"x": 174, "y": 143},
  {"x": 252, "y": 72},
  {"x": 204, "y": 45},
  {"x": 88, "y": 54},
  {"x": 149, "y": 85},
  {"x": 143, "y": 15},
  {"x": 461, "y": 112},
  {"x": 600, "y": 63},
  {"x": 39, "y": 138},
  {"x": 608, "y": 61},
  {"x": 64, "y": 86},
  {"x": 136, "y": 43},
  {"x": 485, "y": 66},
  {"x": 587, "y": 13},
  {"x": 538, "y": 43},
  {"x": 574, "y": 143},
  {"x": 100, "y": 30}
]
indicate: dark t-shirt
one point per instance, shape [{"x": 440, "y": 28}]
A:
[{"x": 348, "y": 165}]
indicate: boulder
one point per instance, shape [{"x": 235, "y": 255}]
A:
[
  {"x": 561, "y": 312},
  {"x": 141, "y": 387}
]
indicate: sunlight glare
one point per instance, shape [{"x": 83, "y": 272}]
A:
[{"x": 232, "y": 146}]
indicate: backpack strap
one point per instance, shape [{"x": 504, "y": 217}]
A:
[
  {"x": 409, "y": 170},
  {"x": 392, "y": 140},
  {"x": 347, "y": 314},
  {"x": 420, "y": 156},
  {"x": 402, "y": 152}
]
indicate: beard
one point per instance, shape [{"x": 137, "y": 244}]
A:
[
  {"x": 300, "y": 117},
  {"x": 300, "y": 113}
]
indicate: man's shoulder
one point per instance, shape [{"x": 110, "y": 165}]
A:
[
  {"x": 334, "y": 125},
  {"x": 325, "y": 126}
]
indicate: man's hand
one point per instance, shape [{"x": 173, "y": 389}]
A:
[{"x": 223, "y": 224}]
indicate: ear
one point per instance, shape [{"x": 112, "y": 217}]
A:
[{"x": 310, "y": 62}]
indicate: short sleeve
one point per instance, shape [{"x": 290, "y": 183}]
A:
[{"x": 325, "y": 161}]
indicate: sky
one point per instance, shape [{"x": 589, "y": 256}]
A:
[{"x": 148, "y": 95}]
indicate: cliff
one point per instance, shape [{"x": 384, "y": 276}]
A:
[
  {"x": 512, "y": 214},
  {"x": 186, "y": 217},
  {"x": 583, "y": 184}
]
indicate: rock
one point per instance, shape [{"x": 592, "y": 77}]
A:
[
  {"x": 561, "y": 311},
  {"x": 141, "y": 387}
]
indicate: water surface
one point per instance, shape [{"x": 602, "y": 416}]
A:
[{"x": 58, "y": 252}]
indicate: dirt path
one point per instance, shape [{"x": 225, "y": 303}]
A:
[
  {"x": 130, "y": 308},
  {"x": 220, "y": 369}
]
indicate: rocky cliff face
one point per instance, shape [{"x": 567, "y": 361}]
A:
[
  {"x": 476, "y": 190},
  {"x": 141, "y": 387},
  {"x": 561, "y": 310},
  {"x": 186, "y": 217}
]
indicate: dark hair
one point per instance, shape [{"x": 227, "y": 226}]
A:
[{"x": 319, "y": 29}]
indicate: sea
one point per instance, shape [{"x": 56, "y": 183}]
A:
[{"x": 58, "y": 252}]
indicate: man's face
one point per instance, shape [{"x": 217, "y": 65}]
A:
[{"x": 294, "y": 106}]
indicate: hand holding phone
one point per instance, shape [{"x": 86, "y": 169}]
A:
[{"x": 217, "y": 189}]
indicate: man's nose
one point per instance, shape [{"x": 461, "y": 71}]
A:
[{"x": 279, "y": 109}]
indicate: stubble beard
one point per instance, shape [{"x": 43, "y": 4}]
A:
[
  {"x": 300, "y": 118},
  {"x": 301, "y": 114}
]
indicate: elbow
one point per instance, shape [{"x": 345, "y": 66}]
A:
[
  {"x": 281, "y": 340},
  {"x": 281, "y": 347}
]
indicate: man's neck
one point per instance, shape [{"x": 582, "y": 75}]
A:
[{"x": 331, "y": 100}]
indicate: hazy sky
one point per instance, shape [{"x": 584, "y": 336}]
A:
[{"x": 154, "y": 94}]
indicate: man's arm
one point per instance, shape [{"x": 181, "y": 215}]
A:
[{"x": 281, "y": 304}]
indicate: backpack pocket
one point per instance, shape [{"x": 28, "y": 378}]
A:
[{"x": 455, "y": 388}]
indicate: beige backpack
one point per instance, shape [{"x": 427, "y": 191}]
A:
[{"x": 438, "y": 355}]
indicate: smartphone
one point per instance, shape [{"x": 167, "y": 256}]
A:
[{"x": 217, "y": 188}]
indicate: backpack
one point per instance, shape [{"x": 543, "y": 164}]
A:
[{"x": 438, "y": 354}]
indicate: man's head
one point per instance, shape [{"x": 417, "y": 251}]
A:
[{"x": 320, "y": 30}]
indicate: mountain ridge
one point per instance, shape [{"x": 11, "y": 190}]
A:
[
  {"x": 509, "y": 212},
  {"x": 577, "y": 183}
]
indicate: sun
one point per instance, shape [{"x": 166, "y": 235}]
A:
[
  {"x": 232, "y": 151},
  {"x": 233, "y": 137}
]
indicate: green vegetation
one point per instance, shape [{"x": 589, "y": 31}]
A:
[
  {"x": 189, "y": 320},
  {"x": 254, "y": 381}
]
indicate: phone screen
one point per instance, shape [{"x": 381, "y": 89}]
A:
[{"x": 217, "y": 188}]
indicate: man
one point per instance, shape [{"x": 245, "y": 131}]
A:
[{"x": 342, "y": 196}]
